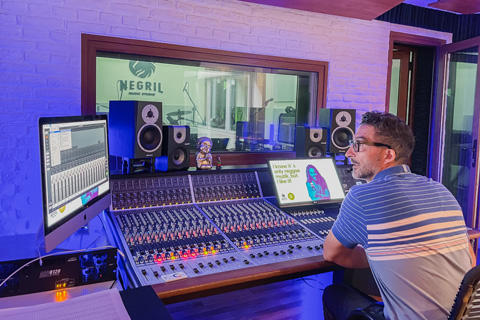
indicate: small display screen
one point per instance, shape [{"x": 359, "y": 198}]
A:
[{"x": 306, "y": 181}]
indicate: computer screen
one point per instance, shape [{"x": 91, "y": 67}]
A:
[
  {"x": 305, "y": 181},
  {"x": 75, "y": 173}
]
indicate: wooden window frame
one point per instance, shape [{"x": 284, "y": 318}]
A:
[{"x": 93, "y": 44}]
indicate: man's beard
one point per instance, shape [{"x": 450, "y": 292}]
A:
[{"x": 362, "y": 172}]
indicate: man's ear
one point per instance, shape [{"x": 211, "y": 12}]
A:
[{"x": 390, "y": 156}]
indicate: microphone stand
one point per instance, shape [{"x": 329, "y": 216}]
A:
[
  {"x": 257, "y": 111},
  {"x": 254, "y": 126},
  {"x": 194, "y": 109},
  {"x": 264, "y": 106}
]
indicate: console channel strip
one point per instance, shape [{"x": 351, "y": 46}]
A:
[
  {"x": 262, "y": 232},
  {"x": 316, "y": 219},
  {"x": 164, "y": 241},
  {"x": 150, "y": 192},
  {"x": 226, "y": 186}
]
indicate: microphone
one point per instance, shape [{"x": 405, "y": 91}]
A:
[
  {"x": 267, "y": 102},
  {"x": 185, "y": 86}
]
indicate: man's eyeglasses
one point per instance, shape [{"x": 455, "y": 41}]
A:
[{"x": 356, "y": 144}]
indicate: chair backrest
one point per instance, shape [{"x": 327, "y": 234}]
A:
[
  {"x": 467, "y": 302},
  {"x": 373, "y": 311}
]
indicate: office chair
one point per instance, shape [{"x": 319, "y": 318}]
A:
[
  {"x": 466, "y": 305},
  {"x": 467, "y": 301},
  {"x": 371, "y": 312}
]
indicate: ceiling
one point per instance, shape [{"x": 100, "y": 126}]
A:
[
  {"x": 370, "y": 9},
  {"x": 455, "y": 6}
]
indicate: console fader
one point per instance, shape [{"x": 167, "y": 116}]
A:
[
  {"x": 319, "y": 220},
  {"x": 262, "y": 232},
  {"x": 163, "y": 241},
  {"x": 203, "y": 223}
]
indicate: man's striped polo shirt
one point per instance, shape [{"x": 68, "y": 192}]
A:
[{"x": 414, "y": 234}]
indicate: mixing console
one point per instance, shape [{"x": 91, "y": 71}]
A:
[
  {"x": 150, "y": 192},
  {"x": 168, "y": 234},
  {"x": 225, "y": 186},
  {"x": 193, "y": 225},
  {"x": 176, "y": 238},
  {"x": 260, "y": 230},
  {"x": 320, "y": 221}
]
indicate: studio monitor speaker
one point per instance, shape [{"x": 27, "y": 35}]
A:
[
  {"x": 135, "y": 129},
  {"x": 311, "y": 142},
  {"x": 341, "y": 128},
  {"x": 175, "y": 149}
]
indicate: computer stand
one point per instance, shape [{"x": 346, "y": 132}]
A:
[{"x": 92, "y": 235}]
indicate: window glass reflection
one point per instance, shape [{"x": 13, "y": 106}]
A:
[{"x": 240, "y": 108}]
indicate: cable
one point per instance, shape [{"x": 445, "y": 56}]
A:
[
  {"x": 115, "y": 281},
  {"x": 305, "y": 281},
  {"x": 38, "y": 251}
]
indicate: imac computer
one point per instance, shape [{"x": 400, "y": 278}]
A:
[
  {"x": 75, "y": 174},
  {"x": 306, "y": 181}
]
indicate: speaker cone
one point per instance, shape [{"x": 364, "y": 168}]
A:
[
  {"x": 341, "y": 137},
  {"x": 316, "y": 134},
  {"x": 315, "y": 152},
  {"x": 179, "y": 156},
  {"x": 179, "y": 134},
  {"x": 150, "y": 138}
]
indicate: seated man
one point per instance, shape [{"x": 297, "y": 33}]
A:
[{"x": 407, "y": 228}]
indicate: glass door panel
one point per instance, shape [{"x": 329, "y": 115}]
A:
[{"x": 459, "y": 168}]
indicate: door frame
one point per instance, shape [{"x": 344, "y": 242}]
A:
[
  {"x": 406, "y": 39},
  {"x": 398, "y": 38},
  {"x": 438, "y": 141}
]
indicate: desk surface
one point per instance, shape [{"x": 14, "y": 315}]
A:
[
  {"x": 473, "y": 234},
  {"x": 192, "y": 288}
]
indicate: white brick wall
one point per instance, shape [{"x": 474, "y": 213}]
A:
[{"x": 40, "y": 64}]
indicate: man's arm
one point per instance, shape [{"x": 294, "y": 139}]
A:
[
  {"x": 472, "y": 254},
  {"x": 336, "y": 252}
]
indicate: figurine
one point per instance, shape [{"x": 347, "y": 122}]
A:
[
  {"x": 219, "y": 163},
  {"x": 203, "y": 155}
]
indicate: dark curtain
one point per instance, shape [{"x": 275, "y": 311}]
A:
[{"x": 461, "y": 26}]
